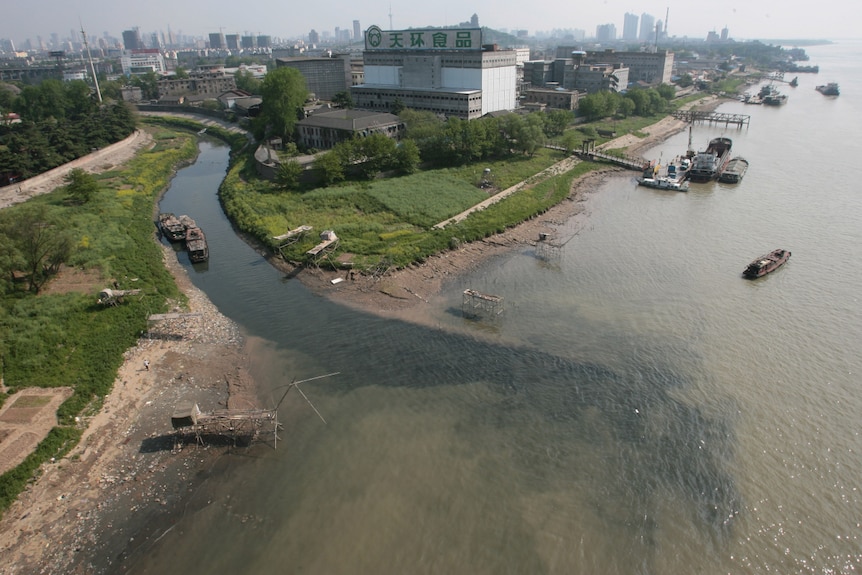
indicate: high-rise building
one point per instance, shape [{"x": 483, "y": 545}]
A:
[
  {"x": 647, "y": 31},
  {"x": 264, "y": 42},
  {"x": 132, "y": 39},
  {"x": 232, "y": 41},
  {"x": 630, "y": 27},
  {"x": 357, "y": 33},
  {"x": 217, "y": 41},
  {"x": 313, "y": 38},
  {"x": 606, "y": 33},
  {"x": 248, "y": 42}
]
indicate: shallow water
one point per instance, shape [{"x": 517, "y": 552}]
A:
[{"x": 637, "y": 408}]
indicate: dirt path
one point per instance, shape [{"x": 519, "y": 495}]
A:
[{"x": 100, "y": 161}]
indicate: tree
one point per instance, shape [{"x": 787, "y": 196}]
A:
[
  {"x": 569, "y": 142},
  {"x": 626, "y": 107},
  {"x": 342, "y": 100},
  {"x": 398, "y": 106},
  {"x": 330, "y": 167},
  {"x": 667, "y": 91},
  {"x": 148, "y": 83},
  {"x": 80, "y": 186},
  {"x": 556, "y": 122},
  {"x": 406, "y": 157},
  {"x": 37, "y": 244},
  {"x": 247, "y": 81},
  {"x": 284, "y": 92},
  {"x": 287, "y": 177}
]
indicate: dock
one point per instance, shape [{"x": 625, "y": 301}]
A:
[
  {"x": 692, "y": 116},
  {"x": 589, "y": 151}
]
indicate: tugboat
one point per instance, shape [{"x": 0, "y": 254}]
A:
[
  {"x": 708, "y": 165},
  {"x": 196, "y": 244},
  {"x": 766, "y": 263},
  {"x": 830, "y": 89}
]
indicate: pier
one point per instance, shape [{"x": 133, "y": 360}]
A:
[
  {"x": 693, "y": 116},
  {"x": 589, "y": 151}
]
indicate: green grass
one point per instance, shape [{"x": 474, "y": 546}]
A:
[
  {"x": 391, "y": 221},
  {"x": 51, "y": 340}
]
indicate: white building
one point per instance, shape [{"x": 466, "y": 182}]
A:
[
  {"x": 143, "y": 61},
  {"x": 446, "y": 71}
]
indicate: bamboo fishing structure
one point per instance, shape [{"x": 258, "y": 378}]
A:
[{"x": 248, "y": 424}]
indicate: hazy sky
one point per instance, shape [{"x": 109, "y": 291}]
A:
[{"x": 833, "y": 19}]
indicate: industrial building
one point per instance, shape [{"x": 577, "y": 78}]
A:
[{"x": 445, "y": 71}]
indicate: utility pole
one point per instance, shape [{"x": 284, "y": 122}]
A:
[{"x": 90, "y": 59}]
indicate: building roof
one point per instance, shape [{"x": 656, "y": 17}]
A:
[{"x": 353, "y": 120}]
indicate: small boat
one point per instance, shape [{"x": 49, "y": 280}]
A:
[
  {"x": 766, "y": 263},
  {"x": 196, "y": 244},
  {"x": 664, "y": 183},
  {"x": 830, "y": 89},
  {"x": 172, "y": 227},
  {"x": 735, "y": 171}
]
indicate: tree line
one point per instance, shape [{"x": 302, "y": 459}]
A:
[{"x": 60, "y": 121}]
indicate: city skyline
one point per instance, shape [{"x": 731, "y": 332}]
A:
[{"x": 757, "y": 19}]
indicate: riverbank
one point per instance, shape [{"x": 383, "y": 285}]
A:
[
  {"x": 127, "y": 471},
  {"x": 401, "y": 293},
  {"x": 88, "y": 510}
]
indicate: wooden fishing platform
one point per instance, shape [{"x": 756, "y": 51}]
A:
[
  {"x": 693, "y": 116},
  {"x": 291, "y": 237},
  {"x": 328, "y": 244}
]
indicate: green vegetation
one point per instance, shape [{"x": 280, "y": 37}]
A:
[
  {"x": 66, "y": 339},
  {"x": 61, "y": 121},
  {"x": 389, "y": 222},
  {"x": 283, "y": 91},
  {"x": 58, "y": 443}
]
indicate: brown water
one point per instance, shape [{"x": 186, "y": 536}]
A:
[{"x": 637, "y": 408}]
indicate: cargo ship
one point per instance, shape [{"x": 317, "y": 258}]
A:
[
  {"x": 735, "y": 171},
  {"x": 196, "y": 244},
  {"x": 707, "y": 165},
  {"x": 830, "y": 89}
]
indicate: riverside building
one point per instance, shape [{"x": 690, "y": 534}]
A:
[{"x": 445, "y": 71}]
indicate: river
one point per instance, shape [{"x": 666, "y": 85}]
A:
[{"x": 637, "y": 408}]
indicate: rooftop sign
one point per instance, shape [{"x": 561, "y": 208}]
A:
[{"x": 424, "y": 39}]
